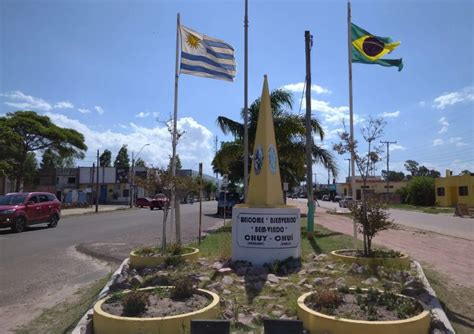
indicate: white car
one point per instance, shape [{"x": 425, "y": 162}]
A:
[{"x": 346, "y": 202}]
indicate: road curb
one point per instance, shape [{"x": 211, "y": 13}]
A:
[
  {"x": 84, "y": 326},
  {"x": 63, "y": 216},
  {"x": 436, "y": 309}
]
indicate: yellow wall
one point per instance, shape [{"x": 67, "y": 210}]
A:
[
  {"x": 451, "y": 186},
  {"x": 378, "y": 187}
]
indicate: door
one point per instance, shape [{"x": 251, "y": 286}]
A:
[
  {"x": 33, "y": 209},
  {"x": 46, "y": 208},
  {"x": 103, "y": 194},
  {"x": 453, "y": 196}
]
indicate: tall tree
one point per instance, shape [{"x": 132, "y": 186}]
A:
[
  {"x": 290, "y": 130},
  {"x": 178, "y": 162},
  {"x": 105, "y": 158},
  {"x": 122, "y": 160},
  {"x": 23, "y": 132},
  {"x": 412, "y": 167},
  {"x": 416, "y": 170},
  {"x": 393, "y": 175},
  {"x": 52, "y": 160},
  {"x": 140, "y": 163}
]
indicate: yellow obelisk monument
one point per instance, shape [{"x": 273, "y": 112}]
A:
[{"x": 264, "y": 229}]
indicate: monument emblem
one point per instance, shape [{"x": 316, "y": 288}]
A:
[
  {"x": 258, "y": 160},
  {"x": 272, "y": 158},
  {"x": 264, "y": 229}
]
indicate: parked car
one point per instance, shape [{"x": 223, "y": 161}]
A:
[
  {"x": 346, "y": 202},
  {"x": 19, "y": 210},
  {"x": 231, "y": 199},
  {"x": 142, "y": 202},
  {"x": 159, "y": 201},
  {"x": 337, "y": 198},
  {"x": 325, "y": 198}
]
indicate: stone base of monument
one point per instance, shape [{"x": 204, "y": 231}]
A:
[{"x": 265, "y": 235}]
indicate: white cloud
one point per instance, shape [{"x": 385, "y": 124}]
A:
[
  {"x": 333, "y": 115},
  {"x": 438, "y": 142},
  {"x": 26, "y": 102},
  {"x": 457, "y": 141},
  {"x": 298, "y": 87},
  {"x": 449, "y": 99},
  {"x": 64, "y": 105},
  {"x": 444, "y": 125},
  {"x": 422, "y": 103},
  {"x": 390, "y": 114},
  {"x": 396, "y": 147},
  {"x": 142, "y": 114},
  {"x": 196, "y": 145},
  {"x": 99, "y": 110},
  {"x": 83, "y": 110}
]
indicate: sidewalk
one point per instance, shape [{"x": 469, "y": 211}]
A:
[{"x": 102, "y": 208}]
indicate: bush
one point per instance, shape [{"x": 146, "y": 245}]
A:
[
  {"x": 421, "y": 191},
  {"x": 183, "y": 289},
  {"x": 134, "y": 303}
]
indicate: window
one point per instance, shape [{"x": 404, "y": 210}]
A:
[
  {"x": 43, "y": 198},
  {"x": 125, "y": 193},
  {"x": 440, "y": 191},
  {"x": 463, "y": 191},
  {"x": 34, "y": 199},
  {"x": 71, "y": 180},
  {"x": 51, "y": 197}
]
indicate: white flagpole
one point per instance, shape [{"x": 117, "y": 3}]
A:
[
  {"x": 174, "y": 201},
  {"x": 246, "y": 131},
  {"x": 351, "y": 116}
]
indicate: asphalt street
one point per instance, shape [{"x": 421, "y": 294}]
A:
[
  {"x": 41, "y": 266},
  {"x": 441, "y": 223}
]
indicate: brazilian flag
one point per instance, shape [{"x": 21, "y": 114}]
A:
[{"x": 369, "y": 49}]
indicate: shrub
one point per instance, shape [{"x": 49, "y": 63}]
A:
[
  {"x": 421, "y": 191},
  {"x": 134, "y": 303},
  {"x": 183, "y": 288},
  {"x": 325, "y": 301}
]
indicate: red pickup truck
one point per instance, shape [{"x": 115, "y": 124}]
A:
[{"x": 159, "y": 201}]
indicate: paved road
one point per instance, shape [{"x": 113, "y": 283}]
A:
[
  {"x": 40, "y": 267},
  {"x": 446, "y": 224}
]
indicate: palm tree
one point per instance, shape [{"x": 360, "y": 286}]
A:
[{"x": 290, "y": 134}]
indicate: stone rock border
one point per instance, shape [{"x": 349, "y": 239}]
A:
[
  {"x": 437, "y": 313},
  {"x": 84, "y": 326}
]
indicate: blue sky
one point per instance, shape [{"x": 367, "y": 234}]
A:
[{"x": 106, "y": 68}]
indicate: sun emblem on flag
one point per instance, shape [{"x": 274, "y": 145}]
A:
[{"x": 192, "y": 41}]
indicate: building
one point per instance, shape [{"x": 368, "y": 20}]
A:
[
  {"x": 453, "y": 190},
  {"x": 375, "y": 185}
]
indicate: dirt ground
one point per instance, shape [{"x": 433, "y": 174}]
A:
[{"x": 450, "y": 256}]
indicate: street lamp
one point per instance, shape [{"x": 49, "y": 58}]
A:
[{"x": 132, "y": 190}]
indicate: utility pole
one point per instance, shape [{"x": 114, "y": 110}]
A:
[
  {"x": 133, "y": 180},
  {"x": 97, "y": 185},
  {"x": 388, "y": 159},
  {"x": 349, "y": 169},
  {"x": 200, "y": 201},
  {"x": 92, "y": 183},
  {"x": 309, "y": 139},
  {"x": 246, "y": 117}
]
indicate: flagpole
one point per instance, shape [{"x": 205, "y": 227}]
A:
[
  {"x": 351, "y": 117},
  {"x": 174, "y": 142},
  {"x": 246, "y": 130}
]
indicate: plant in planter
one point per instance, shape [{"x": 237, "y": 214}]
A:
[
  {"x": 155, "y": 310},
  {"x": 361, "y": 311},
  {"x": 370, "y": 215},
  {"x": 173, "y": 255}
]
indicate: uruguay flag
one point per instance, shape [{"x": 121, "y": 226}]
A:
[{"x": 205, "y": 56}]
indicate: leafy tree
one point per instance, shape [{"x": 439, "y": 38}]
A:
[
  {"x": 416, "y": 170},
  {"x": 122, "y": 160},
  {"x": 412, "y": 167},
  {"x": 465, "y": 172},
  {"x": 365, "y": 163},
  {"x": 209, "y": 188},
  {"x": 52, "y": 160},
  {"x": 140, "y": 163},
  {"x": 421, "y": 191},
  {"x": 178, "y": 162},
  {"x": 23, "y": 132},
  {"x": 371, "y": 219},
  {"x": 31, "y": 168},
  {"x": 393, "y": 176},
  {"x": 105, "y": 159},
  {"x": 290, "y": 132}
]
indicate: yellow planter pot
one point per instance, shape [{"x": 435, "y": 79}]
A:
[
  {"x": 105, "y": 323},
  {"x": 319, "y": 323},
  {"x": 402, "y": 262},
  {"x": 141, "y": 261}
]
